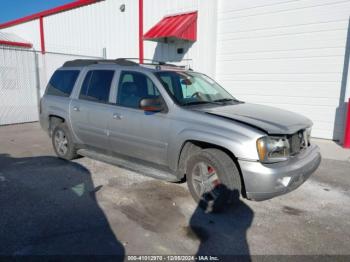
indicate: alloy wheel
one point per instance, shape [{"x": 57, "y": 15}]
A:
[
  {"x": 205, "y": 180},
  {"x": 61, "y": 142}
]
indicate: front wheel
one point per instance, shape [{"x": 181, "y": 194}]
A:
[
  {"x": 213, "y": 179},
  {"x": 63, "y": 143}
]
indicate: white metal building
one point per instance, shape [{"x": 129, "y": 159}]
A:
[{"x": 293, "y": 54}]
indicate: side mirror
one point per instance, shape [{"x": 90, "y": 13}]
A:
[{"x": 151, "y": 104}]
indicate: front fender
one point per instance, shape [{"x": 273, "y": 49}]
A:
[{"x": 240, "y": 145}]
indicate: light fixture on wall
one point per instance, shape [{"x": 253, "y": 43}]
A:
[
  {"x": 180, "y": 51},
  {"x": 122, "y": 8}
]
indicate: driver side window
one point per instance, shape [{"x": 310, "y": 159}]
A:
[
  {"x": 190, "y": 87},
  {"x": 134, "y": 86},
  {"x": 188, "y": 90}
]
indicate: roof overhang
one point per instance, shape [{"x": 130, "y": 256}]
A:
[
  {"x": 174, "y": 27},
  {"x": 10, "y": 39},
  {"x": 52, "y": 11},
  {"x": 16, "y": 44}
]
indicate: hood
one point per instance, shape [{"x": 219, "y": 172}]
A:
[{"x": 270, "y": 119}]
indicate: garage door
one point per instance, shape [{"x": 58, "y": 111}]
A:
[{"x": 288, "y": 54}]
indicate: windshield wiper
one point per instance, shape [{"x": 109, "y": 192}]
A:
[
  {"x": 226, "y": 100},
  {"x": 202, "y": 102}
]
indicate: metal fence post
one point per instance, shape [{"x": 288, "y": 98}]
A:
[
  {"x": 37, "y": 79},
  {"x": 104, "y": 53}
]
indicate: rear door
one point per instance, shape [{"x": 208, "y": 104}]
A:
[
  {"x": 89, "y": 111},
  {"x": 134, "y": 132}
]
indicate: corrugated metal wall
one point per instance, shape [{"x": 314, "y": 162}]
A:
[
  {"x": 288, "y": 54},
  {"x": 87, "y": 30}
]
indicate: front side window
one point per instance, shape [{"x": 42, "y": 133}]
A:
[
  {"x": 62, "y": 83},
  {"x": 96, "y": 85},
  {"x": 188, "y": 88},
  {"x": 133, "y": 86}
]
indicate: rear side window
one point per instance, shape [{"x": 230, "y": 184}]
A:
[
  {"x": 96, "y": 85},
  {"x": 62, "y": 82}
]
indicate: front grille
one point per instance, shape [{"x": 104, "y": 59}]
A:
[{"x": 297, "y": 142}]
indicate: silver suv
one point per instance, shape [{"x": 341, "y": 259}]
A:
[{"x": 173, "y": 123}]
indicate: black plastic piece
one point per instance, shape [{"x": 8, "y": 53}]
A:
[{"x": 87, "y": 62}]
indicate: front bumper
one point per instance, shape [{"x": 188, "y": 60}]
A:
[{"x": 264, "y": 181}]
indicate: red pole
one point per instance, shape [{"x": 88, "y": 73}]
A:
[
  {"x": 141, "y": 31},
  {"x": 347, "y": 128},
  {"x": 42, "y": 37}
]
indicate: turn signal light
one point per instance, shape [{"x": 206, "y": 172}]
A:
[{"x": 260, "y": 144}]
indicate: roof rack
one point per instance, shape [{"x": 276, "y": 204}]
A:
[
  {"x": 161, "y": 64},
  {"x": 118, "y": 61},
  {"x": 152, "y": 62},
  {"x": 87, "y": 62}
]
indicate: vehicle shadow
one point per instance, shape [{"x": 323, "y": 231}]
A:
[
  {"x": 48, "y": 207},
  {"x": 224, "y": 233}
]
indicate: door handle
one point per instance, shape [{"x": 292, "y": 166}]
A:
[
  {"x": 76, "y": 108},
  {"x": 117, "y": 116}
]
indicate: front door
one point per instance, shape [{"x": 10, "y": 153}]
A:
[{"x": 134, "y": 132}]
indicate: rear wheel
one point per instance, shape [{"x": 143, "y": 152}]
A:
[
  {"x": 63, "y": 143},
  {"x": 213, "y": 179}
]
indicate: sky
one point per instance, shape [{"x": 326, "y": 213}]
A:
[{"x": 13, "y": 9}]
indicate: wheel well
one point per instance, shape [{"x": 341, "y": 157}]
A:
[
  {"x": 191, "y": 146},
  {"x": 54, "y": 121}
]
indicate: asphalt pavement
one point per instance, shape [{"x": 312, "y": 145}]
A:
[{"x": 55, "y": 207}]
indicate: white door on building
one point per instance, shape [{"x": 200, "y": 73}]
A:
[{"x": 288, "y": 54}]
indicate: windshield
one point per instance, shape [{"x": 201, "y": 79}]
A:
[{"x": 188, "y": 88}]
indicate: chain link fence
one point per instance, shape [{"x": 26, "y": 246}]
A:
[{"x": 23, "y": 78}]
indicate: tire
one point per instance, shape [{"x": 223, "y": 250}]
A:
[
  {"x": 58, "y": 142},
  {"x": 224, "y": 186}
]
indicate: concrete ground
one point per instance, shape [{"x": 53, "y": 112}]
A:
[
  {"x": 332, "y": 150},
  {"x": 51, "y": 206}
]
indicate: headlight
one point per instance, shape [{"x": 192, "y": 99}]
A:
[
  {"x": 273, "y": 148},
  {"x": 308, "y": 136}
]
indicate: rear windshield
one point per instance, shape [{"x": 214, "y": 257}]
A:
[{"x": 62, "y": 82}]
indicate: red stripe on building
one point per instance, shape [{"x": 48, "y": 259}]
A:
[
  {"x": 52, "y": 11},
  {"x": 16, "y": 44}
]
